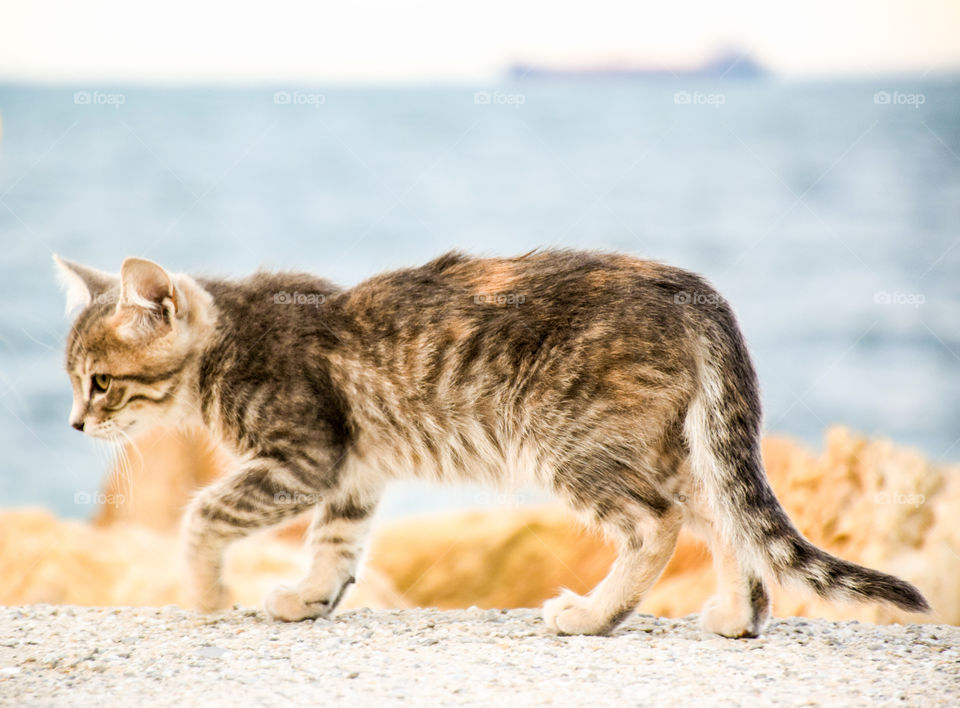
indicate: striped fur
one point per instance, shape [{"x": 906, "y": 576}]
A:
[{"x": 624, "y": 386}]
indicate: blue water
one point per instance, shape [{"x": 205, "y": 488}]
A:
[{"x": 809, "y": 204}]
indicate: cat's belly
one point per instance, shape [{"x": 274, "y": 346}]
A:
[{"x": 465, "y": 455}]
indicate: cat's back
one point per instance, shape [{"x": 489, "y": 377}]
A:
[
  {"x": 546, "y": 287},
  {"x": 257, "y": 294}
]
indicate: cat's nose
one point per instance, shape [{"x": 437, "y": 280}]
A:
[{"x": 77, "y": 425}]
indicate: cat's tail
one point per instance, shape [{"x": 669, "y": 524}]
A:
[{"x": 722, "y": 428}]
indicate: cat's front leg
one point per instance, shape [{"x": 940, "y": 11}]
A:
[
  {"x": 263, "y": 493},
  {"x": 339, "y": 529}
]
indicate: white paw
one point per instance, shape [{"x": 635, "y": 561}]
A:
[
  {"x": 285, "y": 604},
  {"x": 728, "y": 621},
  {"x": 570, "y": 613},
  {"x": 294, "y": 604}
]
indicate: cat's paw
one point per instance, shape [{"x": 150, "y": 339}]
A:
[
  {"x": 570, "y": 613},
  {"x": 734, "y": 622},
  {"x": 285, "y": 604},
  {"x": 289, "y": 604}
]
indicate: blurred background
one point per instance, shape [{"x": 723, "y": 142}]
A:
[{"x": 804, "y": 157}]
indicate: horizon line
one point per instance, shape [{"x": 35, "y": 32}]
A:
[{"x": 503, "y": 77}]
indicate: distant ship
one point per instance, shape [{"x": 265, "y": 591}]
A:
[{"x": 727, "y": 65}]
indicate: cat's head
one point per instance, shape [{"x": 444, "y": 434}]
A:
[{"x": 131, "y": 353}]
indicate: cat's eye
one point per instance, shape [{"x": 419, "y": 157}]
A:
[{"x": 101, "y": 382}]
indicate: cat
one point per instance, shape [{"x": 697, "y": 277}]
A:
[{"x": 624, "y": 386}]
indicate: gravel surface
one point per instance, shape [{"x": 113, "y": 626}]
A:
[{"x": 61, "y": 655}]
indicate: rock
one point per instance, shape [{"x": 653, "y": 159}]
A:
[{"x": 211, "y": 652}]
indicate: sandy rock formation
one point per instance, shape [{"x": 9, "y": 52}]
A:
[{"x": 865, "y": 500}]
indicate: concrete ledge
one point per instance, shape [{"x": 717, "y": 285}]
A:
[{"x": 64, "y": 655}]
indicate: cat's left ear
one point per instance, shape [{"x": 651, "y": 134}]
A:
[
  {"x": 148, "y": 293},
  {"x": 82, "y": 284}
]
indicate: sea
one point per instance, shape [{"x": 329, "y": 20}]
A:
[{"x": 826, "y": 210}]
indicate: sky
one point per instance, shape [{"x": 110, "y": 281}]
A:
[{"x": 445, "y": 40}]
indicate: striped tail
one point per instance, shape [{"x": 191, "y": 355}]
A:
[{"x": 723, "y": 432}]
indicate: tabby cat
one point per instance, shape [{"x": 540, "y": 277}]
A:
[{"x": 622, "y": 385}]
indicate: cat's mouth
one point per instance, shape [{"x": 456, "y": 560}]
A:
[{"x": 109, "y": 431}]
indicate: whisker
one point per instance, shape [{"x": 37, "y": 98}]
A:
[
  {"x": 124, "y": 449},
  {"x": 102, "y": 451},
  {"x": 120, "y": 465}
]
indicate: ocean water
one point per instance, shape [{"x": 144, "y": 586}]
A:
[{"x": 828, "y": 212}]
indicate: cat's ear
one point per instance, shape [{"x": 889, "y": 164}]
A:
[
  {"x": 82, "y": 284},
  {"x": 145, "y": 285}
]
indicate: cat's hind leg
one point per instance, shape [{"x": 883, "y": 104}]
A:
[
  {"x": 646, "y": 531},
  {"x": 741, "y": 605},
  {"x": 337, "y": 533}
]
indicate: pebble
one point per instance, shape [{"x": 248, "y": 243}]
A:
[
  {"x": 74, "y": 656},
  {"x": 211, "y": 652}
]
